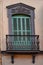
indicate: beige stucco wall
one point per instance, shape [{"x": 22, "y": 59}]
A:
[
  {"x": 38, "y": 4},
  {"x": 0, "y": 20},
  {"x": 22, "y": 60}
]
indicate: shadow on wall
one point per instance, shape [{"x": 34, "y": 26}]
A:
[
  {"x": 41, "y": 18},
  {"x": 41, "y": 25}
]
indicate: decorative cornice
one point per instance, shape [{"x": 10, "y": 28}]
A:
[{"x": 20, "y": 4}]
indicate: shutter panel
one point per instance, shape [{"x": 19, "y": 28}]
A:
[{"x": 21, "y": 26}]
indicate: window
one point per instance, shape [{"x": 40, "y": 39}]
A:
[
  {"x": 21, "y": 22},
  {"x": 21, "y": 26}
]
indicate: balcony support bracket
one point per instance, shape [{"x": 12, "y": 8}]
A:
[
  {"x": 33, "y": 53},
  {"x": 12, "y": 59},
  {"x": 33, "y": 58}
]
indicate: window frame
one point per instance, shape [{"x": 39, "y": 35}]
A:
[{"x": 20, "y": 9}]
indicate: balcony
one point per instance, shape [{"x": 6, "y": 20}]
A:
[{"x": 22, "y": 43}]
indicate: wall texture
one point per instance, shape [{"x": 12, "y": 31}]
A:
[
  {"x": 38, "y": 18},
  {"x": 38, "y": 4}
]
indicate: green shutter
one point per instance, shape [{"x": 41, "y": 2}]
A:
[{"x": 21, "y": 26}]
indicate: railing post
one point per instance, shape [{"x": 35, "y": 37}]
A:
[
  {"x": 38, "y": 42},
  {"x": 6, "y": 43}
]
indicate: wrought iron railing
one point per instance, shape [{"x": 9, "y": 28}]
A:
[{"x": 22, "y": 42}]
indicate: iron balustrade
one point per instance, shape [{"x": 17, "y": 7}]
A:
[{"x": 22, "y": 42}]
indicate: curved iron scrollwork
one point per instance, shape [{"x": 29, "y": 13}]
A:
[{"x": 17, "y": 42}]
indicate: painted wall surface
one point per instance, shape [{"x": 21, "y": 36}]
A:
[
  {"x": 24, "y": 60},
  {"x": 38, "y": 4},
  {"x": 0, "y": 22}
]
